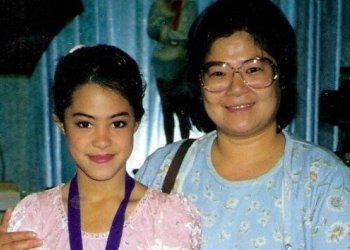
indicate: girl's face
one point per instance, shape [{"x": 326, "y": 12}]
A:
[
  {"x": 99, "y": 128},
  {"x": 240, "y": 110}
]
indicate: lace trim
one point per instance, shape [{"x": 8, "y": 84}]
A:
[{"x": 128, "y": 221}]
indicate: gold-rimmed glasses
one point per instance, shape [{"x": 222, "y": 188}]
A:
[{"x": 257, "y": 73}]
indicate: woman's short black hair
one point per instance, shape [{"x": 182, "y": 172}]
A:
[
  {"x": 271, "y": 31},
  {"x": 105, "y": 65}
]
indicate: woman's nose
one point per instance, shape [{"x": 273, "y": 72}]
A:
[{"x": 237, "y": 83}]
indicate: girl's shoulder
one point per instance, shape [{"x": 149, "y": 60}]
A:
[
  {"x": 163, "y": 221},
  {"x": 37, "y": 209},
  {"x": 39, "y": 199},
  {"x": 165, "y": 201}
]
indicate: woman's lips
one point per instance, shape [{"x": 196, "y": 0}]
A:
[
  {"x": 101, "y": 158},
  {"x": 240, "y": 107}
]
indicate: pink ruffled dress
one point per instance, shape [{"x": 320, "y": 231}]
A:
[{"x": 160, "y": 221}]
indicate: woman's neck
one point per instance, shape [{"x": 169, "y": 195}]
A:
[{"x": 246, "y": 158}]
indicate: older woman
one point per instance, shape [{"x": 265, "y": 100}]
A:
[{"x": 256, "y": 185}]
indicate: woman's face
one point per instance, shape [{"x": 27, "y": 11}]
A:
[
  {"x": 99, "y": 128},
  {"x": 240, "y": 110}
]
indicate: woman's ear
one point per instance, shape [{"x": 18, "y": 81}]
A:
[{"x": 59, "y": 124}]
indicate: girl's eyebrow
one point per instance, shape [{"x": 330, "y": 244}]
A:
[{"x": 92, "y": 117}]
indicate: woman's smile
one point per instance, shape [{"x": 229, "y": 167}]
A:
[{"x": 239, "y": 107}]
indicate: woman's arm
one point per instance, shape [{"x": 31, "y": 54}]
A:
[{"x": 16, "y": 240}]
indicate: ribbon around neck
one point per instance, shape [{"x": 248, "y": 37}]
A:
[{"x": 74, "y": 223}]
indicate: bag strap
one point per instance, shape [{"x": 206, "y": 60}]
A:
[{"x": 174, "y": 167}]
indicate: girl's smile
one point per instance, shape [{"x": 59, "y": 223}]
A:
[{"x": 103, "y": 158}]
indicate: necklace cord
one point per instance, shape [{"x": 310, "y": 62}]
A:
[{"x": 74, "y": 220}]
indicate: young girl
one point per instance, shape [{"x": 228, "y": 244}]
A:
[{"x": 98, "y": 95}]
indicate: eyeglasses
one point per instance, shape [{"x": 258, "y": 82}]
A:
[{"x": 257, "y": 73}]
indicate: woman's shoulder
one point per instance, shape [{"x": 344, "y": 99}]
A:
[
  {"x": 305, "y": 156},
  {"x": 171, "y": 148},
  {"x": 300, "y": 147},
  {"x": 156, "y": 164}
]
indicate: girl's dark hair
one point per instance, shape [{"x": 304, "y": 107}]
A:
[
  {"x": 104, "y": 65},
  {"x": 271, "y": 31}
]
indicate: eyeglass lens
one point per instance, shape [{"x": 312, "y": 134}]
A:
[{"x": 256, "y": 73}]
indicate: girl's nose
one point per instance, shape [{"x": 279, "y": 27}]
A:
[{"x": 102, "y": 138}]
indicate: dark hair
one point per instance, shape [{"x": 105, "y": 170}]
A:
[
  {"x": 271, "y": 31},
  {"x": 104, "y": 65}
]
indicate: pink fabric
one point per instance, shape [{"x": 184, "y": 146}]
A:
[{"x": 160, "y": 221}]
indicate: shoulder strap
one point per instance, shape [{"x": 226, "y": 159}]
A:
[{"x": 174, "y": 167}]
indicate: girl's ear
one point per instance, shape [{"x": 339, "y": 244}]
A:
[
  {"x": 59, "y": 124},
  {"x": 137, "y": 124}
]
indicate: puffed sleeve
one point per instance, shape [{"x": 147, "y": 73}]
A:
[{"x": 25, "y": 215}]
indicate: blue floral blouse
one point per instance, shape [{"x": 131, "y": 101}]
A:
[{"x": 303, "y": 202}]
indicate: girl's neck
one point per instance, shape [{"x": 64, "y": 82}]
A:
[
  {"x": 94, "y": 190},
  {"x": 97, "y": 211}
]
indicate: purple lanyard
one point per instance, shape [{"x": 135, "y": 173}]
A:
[{"x": 74, "y": 226}]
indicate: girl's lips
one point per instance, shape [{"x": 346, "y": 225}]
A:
[{"x": 101, "y": 158}]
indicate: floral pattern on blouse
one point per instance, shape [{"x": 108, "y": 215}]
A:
[{"x": 303, "y": 202}]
